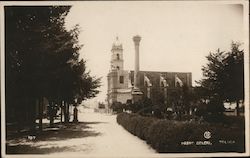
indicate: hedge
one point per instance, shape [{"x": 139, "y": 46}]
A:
[{"x": 167, "y": 136}]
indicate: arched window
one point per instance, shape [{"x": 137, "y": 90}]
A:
[{"x": 118, "y": 56}]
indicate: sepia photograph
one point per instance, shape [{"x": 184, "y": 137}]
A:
[{"x": 124, "y": 78}]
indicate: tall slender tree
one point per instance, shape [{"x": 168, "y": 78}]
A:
[{"x": 42, "y": 60}]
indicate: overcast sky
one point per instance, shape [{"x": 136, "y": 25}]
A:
[{"x": 176, "y": 36}]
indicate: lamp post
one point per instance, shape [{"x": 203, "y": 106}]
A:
[{"x": 75, "y": 111}]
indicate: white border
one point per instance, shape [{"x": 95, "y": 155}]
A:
[
  {"x": 245, "y": 3},
  {"x": 2, "y": 34},
  {"x": 246, "y": 74}
]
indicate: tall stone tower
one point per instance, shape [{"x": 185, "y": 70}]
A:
[
  {"x": 136, "y": 93},
  {"x": 136, "y": 40},
  {"x": 118, "y": 78},
  {"x": 117, "y": 55}
]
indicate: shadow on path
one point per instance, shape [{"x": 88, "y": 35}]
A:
[
  {"x": 28, "y": 149},
  {"x": 22, "y": 143}
]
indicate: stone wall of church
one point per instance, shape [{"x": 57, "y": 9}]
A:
[
  {"x": 123, "y": 97},
  {"x": 154, "y": 77},
  {"x": 122, "y": 79},
  {"x": 118, "y": 80}
]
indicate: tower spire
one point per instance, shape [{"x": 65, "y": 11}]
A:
[{"x": 117, "y": 55}]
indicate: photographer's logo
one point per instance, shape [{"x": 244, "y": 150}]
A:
[{"x": 207, "y": 134}]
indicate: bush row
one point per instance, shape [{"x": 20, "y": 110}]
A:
[{"x": 168, "y": 136}]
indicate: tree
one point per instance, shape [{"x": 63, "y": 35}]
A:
[
  {"x": 234, "y": 80},
  {"x": 29, "y": 56},
  {"x": 213, "y": 75},
  {"x": 117, "y": 107},
  {"x": 187, "y": 97},
  {"x": 223, "y": 77},
  {"x": 42, "y": 60},
  {"x": 144, "y": 106}
]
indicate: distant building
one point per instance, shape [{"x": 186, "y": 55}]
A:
[
  {"x": 124, "y": 85},
  {"x": 119, "y": 83}
]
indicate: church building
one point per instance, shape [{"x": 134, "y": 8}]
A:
[
  {"x": 119, "y": 83},
  {"x": 124, "y": 85}
]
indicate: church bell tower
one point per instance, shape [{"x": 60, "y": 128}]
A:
[
  {"x": 117, "y": 56},
  {"x": 119, "y": 89}
]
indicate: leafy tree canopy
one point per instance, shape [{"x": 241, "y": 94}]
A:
[
  {"x": 42, "y": 57},
  {"x": 223, "y": 76}
]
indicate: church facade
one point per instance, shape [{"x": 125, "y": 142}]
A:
[
  {"x": 124, "y": 85},
  {"x": 119, "y": 83}
]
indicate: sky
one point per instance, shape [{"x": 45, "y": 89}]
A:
[{"x": 176, "y": 36}]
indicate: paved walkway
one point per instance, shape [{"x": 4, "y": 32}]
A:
[
  {"x": 112, "y": 138},
  {"x": 96, "y": 134}
]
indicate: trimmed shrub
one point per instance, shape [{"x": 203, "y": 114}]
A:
[
  {"x": 135, "y": 124},
  {"x": 168, "y": 136},
  {"x": 237, "y": 121},
  {"x": 117, "y": 107}
]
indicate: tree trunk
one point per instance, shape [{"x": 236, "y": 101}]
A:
[
  {"x": 27, "y": 113},
  {"x": 40, "y": 104},
  {"x": 51, "y": 113},
  {"x": 61, "y": 106},
  {"x": 18, "y": 114},
  {"x": 66, "y": 113},
  {"x": 32, "y": 102},
  {"x": 237, "y": 108}
]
